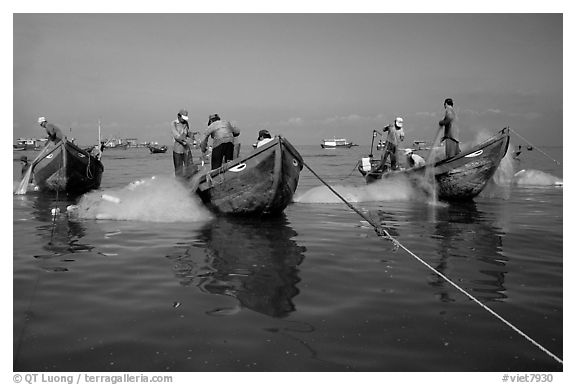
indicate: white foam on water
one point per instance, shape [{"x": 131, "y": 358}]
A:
[
  {"x": 155, "y": 199},
  {"x": 390, "y": 189},
  {"x": 536, "y": 178}
]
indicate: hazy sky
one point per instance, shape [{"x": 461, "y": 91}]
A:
[{"x": 306, "y": 76}]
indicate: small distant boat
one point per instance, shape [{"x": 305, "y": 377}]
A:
[
  {"x": 156, "y": 149},
  {"x": 116, "y": 144},
  {"x": 26, "y": 144},
  {"x": 461, "y": 177},
  {"x": 336, "y": 143},
  {"x": 64, "y": 167},
  {"x": 262, "y": 182},
  {"x": 120, "y": 146}
]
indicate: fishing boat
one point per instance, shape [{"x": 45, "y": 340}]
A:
[
  {"x": 262, "y": 182},
  {"x": 461, "y": 177},
  {"x": 63, "y": 167},
  {"x": 157, "y": 149},
  {"x": 336, "y": 143},
  {"x": 27, "y": 144}
]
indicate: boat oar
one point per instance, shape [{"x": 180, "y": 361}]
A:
[{"x": 23, "y": 187}]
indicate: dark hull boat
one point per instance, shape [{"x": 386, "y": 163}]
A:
[
  {"x": 461, "y": 177},
  {"x": 158, "y": 149},
  {"x": 260, "y": 183},
  {"x": 64, "y": 167}
]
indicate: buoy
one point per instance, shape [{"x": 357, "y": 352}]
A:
[{"x": 110, "y": 198}]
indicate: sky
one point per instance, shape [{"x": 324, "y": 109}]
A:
[{"x": 304, "y": 76}]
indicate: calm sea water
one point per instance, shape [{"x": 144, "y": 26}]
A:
[{"x": 159, "y": 284}]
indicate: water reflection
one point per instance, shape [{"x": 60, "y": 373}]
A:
[
  {"x": 465, "y": 233},
  {"x": 467, "y": 248},
  {"x": 59, "y": 234},
  {"x": 253, "y": 261}
]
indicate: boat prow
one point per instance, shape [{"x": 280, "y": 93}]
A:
[
  {"x": 261, "y": 183},
  {"x": 64, "y": 167}
]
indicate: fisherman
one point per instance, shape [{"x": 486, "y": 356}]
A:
[
  {"x": 54, "y": 133},
  {"x": 182, "y": 152},
  {"x": 223, "y": 134},
  {"x": 450, "y": 137},
  {"x": 395, "y": 136},
  {"x": 414, "y": 160},
  {"x": 97, "y": 150},
  {"x": 263, "y": 138},
  {"x": 25, "y": 164}
]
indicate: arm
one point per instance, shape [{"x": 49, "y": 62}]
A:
[
  {"x": 235, "y": 130},
  {"x": 204, "y": 142},
  {"x": 179, "y": 137},
  {"x": 448, "y": 118},
  {"x": 54, "y": 133}
]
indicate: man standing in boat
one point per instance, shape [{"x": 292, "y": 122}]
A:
[
  {"x": 54, "y": 133},
  {"x": 182, "y": 153},
  {"x": 450, "y": 138},
  {"x": 223, "y": 134},
  {"x": 395, "y": 136}
]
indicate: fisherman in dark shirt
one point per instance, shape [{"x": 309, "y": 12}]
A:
[
  {"x": 25, "y": 164},
  {"x": 450, "y": 139},
  {"x": 54, "y": 133}
]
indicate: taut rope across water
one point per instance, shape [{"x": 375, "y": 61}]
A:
[
  {"x": 381, "y": 231},
  {"x": 536, "y": 147}
]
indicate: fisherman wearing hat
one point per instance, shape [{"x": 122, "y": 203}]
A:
[
  {"x": 182, "y": 152},
  {"x": 394, "y": 137},
  {"x": 450, "y": 139},
  {"x": 263, "y": 138},
  {"x": 25, "y": 164},
  {"x": 223, "y": 134},
  {"x": 413, "y": 160},
  {"x": 54, "y": 133}
]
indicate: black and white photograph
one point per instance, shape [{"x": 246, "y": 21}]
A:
[{"x": 241, "y": 192}]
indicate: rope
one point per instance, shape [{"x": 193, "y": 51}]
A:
[
  {"x": 534, "y": 146},
  {"x": 56, "y": 210},
  {"x": 382, "y": 232},
  {"x": 379, "y": 230},
  {"x": 88, "y": 171}
]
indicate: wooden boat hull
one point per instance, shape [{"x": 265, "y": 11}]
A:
[
  {"x": 462, "y": 177},
  {"x": 260, "y": 183},
  {"x": 67, "y": 168}
]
